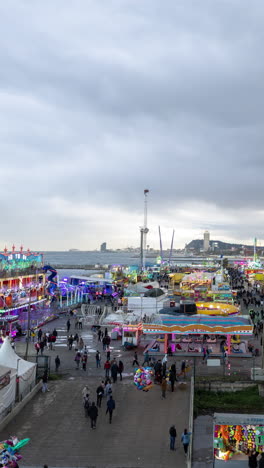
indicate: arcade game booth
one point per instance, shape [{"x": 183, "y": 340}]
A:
[{"x": 234, "y": 436}]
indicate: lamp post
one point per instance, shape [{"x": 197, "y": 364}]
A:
[
  {"x": 28, "y": 325},
  {"x": 17, "y": 381}
]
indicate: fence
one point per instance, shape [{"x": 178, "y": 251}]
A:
[{"x": 235, "y": 369}]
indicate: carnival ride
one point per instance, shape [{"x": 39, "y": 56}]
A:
[{"x": 52, "y": 279}]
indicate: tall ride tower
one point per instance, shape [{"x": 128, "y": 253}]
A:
[{"x": 143, "y": 232}]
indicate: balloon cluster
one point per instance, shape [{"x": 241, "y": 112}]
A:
[
  {"x": 9, "y": 455},
  {"x": 142, "y": 378}
]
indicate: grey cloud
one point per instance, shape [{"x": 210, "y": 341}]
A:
[{"x": 103, "y": 99}]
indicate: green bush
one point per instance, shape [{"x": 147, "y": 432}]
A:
[{"x": 243, "y": 401}]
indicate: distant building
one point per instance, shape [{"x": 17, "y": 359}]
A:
[
  {"x": 206, "y": 242},
  {"x": 103, "y": 247}
]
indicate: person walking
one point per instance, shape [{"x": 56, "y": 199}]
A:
[
  {"x": 261, "y": 461},
  {"x": 81, "y": 344},
  {"x": 108, "y": 353},
  {"x": 40, "y": 333},
  {"x": 76, "y": 338},
  {"x": 85, "y": 391},
  {"x": 114, "y": 371},
  {"x": 77, "y": 359},
  {"x": 163, "y": 388},
  {"x": 68, "y": 324},
  {"x": 185, "y": 438},
  {"x": 107, "y": 368},
  {"x": 80, "y": 323},
  {"x": 45, "y": 382},
  {"x": 99, "y": 392},
  {"x": 84, "y": 361},
  {"x": 183, "y": 368},
  {"x": 173, "y": 435},
  {"x": 70, "y": 342},
  {"x": 135, "y": 359},
  {"x": 108, "y": 389},
  {"x": 98, "y": 359},
  {"x": 57, "y": 363},
  {"x": 104, "y": 343},
  {"x": 42, "y": 345},
  {"x": 110, "y": 408},
  {"x": 172, "y": 378},
  {"x": 93, "y": 413},
  {"x": 37, "y": 347},
  {"x": 32, "y": 335},
  {"x": 86, "y": 405},
  {"x": 99, "y": 334},
  {"x": 252, "y": 459},
  {"x": 146, "y": 358},
  {"x": 120, "y": 369}
]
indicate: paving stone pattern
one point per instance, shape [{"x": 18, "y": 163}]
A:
[{"x": 137, "y": 438}]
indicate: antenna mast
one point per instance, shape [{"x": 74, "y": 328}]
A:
[
  {"x": 172, "y": 239},
  {"x": 161, "y": 251}
]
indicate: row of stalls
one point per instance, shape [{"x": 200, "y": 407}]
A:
[{"x": 17, "y": 378}]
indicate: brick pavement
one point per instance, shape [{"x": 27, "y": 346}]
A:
[
  {"x": 138, "y": 437},
  {"x": 61, "y": 436}
]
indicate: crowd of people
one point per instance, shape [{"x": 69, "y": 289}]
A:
[{"x": 91, "y": 408}]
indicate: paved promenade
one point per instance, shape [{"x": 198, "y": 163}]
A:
[{"x": 61, "y": 436}]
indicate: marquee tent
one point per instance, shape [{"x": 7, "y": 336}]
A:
[
  {"x": 26, "y": 371},
  {"x": 7, "y": 389}
]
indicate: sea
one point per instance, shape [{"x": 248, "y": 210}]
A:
[{"x": 90, "y": 258}]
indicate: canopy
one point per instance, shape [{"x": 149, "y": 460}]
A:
[
  {"x": 25, "y": 370},
  {"x": 7, "y": 389},
  {"x": 154, "y": 292},
  {"x": 200, "y": 324}
]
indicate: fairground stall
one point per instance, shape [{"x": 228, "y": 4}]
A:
[
  {"x": 188, "y": 334},
  {"x": 234, "y": 435},
  {"x": 22, "y": 285}
]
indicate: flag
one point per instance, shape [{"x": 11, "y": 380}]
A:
[{"x": 146, "y": 191}]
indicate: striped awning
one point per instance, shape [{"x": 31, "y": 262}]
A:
[{"x": 200, "y": 324}]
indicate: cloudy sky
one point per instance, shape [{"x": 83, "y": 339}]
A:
[{"x": 101, "y": 99}]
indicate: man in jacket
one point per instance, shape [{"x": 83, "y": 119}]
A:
[
  {"x": 57, "y": 363},
  {"x": 107, "y": 368},
  {"x": 110, "y": 408},
  {"x": 93, "y": 413},
  {"x": 114, "y": 371},
  {"x": 173, "y": 435}
]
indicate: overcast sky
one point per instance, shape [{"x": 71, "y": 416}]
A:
[{"x": 101, "y": 99}]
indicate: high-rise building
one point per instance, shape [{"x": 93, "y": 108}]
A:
[
  {"x": 103, "y": 247},
  {"x": 206, "y": 242}
]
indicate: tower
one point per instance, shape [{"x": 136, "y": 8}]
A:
[
  {"x": 206, "y": 241},
  {"x": 103, "y": 247},
  {"x": 143, "y": 233}
]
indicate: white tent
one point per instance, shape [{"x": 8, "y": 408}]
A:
[
  {"x": 26, "y": 370},
  {"x": 7, "y": 389}
]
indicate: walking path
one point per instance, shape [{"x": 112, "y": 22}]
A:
[{"x": 61, "y": 435}]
